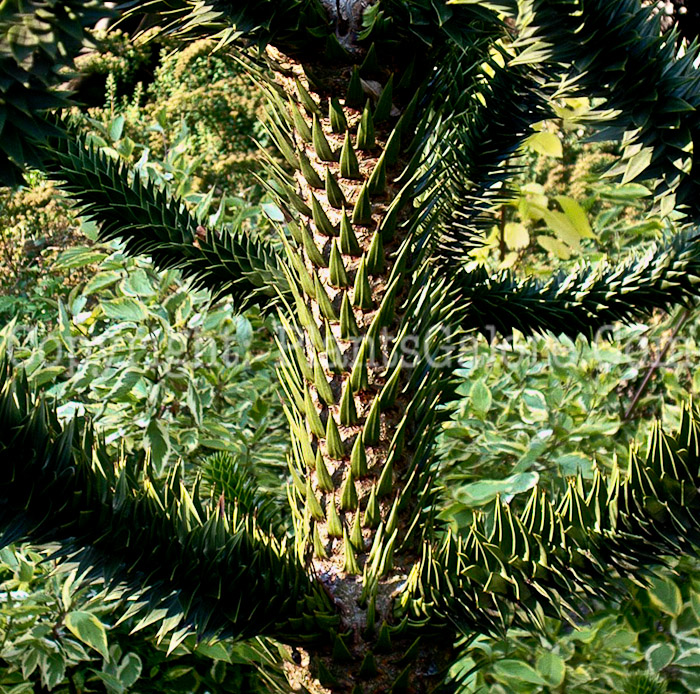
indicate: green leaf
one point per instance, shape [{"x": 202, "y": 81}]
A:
[
  {"x": 101, "y": 280},
  {"x": 64, "y": 324},
  {"x": 88, "y": 629},
  {"x": 194, "y": 403},
  {"x": 89, "y": 228},
  {"x": 113, "y": 685},
  {"x": 660, "y": 655},
  {"x": 158, "y": 442},
  {"x": 624, "y": 194},
  {"x": 481, "y": 397},
  {"x": 30, "y": 660},
  {"x": 484, "y": 491},
  {"x": 244, "y": 331},
  {"x": 519, "y": 671},
  {"x": 601, "y": 426},
  {"x": 46, "y": 375},
  {"x": 125, "y": 309},
  {"x": 116, "y": 127},
  {"x": 666, "y": 595},
  {"x": 552, "y": 667},
  {"x": 66, "y": 595},
  {"x": 574, "y": 463},
  {"x": 585, "y": 634},
  {"x": 690, "y": 658},
  {"x": 129, "y": 670},
  {"x": 137, "y": 283},
  {"x": 125, "y": 382},
  {"x": 215, "y": 651},
  {"x": 26, "y": 571},
  {"x": 273, "y": 212},
  {"x": 55, "y": 669},
  {"x": 621, "y": 639},
  {"x": 533, "y": 406},
  {"x": 695, "y": 603},
  {"x": 78, "y": 257}
]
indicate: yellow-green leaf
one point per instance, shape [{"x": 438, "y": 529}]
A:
[
  {"x": 561, "y": 225},
  {"x": 125, "y": 309},
  {"x": 517, "y": 670},
  {"x": 545, "y": 143},
  {"x": 77, "y": 257},
  {"x": 509, "y": 261},
  {"x": 88, "y": 629},
  {"x": 516, "y": 235},
  {"x": 555, "y": 247},
  {"x": 576, "y": 215},
  {"x": 480, "y": 396},
  {"x": 637, "y": 164}
]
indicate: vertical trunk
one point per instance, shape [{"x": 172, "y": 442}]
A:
[{"x": 352, "y": 406}]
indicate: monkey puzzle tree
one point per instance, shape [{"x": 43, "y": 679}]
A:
[{"x": 395, "y": 121}]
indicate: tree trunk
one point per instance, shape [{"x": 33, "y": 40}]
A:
[
  {"x": 347, "y": 17},
  {"x": 354, "y": 406}
]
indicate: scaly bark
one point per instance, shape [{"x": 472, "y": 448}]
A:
[{"x": 352, "y": 403}]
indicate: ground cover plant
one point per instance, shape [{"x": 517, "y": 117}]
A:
[{"x": 391, "y": 191}]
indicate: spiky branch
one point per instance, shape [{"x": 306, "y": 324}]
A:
[
  {"x": 37, "y": 40},
  {"x": 586, "y": 300},
  {"x": 293, "y": 25},
  {"x": 552, "y": 557},
  {"x": 130, "y": 208},
  {"x": 478, "y": 134},
  {"x": 614, "y": 49},
  {"x": 208, "y": 570}
]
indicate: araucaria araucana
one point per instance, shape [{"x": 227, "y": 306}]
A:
[{"x": 395, "y": 121}]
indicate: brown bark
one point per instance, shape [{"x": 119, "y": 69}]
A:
[{"x": 347, "y": 16}]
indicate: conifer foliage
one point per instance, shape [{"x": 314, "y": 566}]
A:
[
  {"x": 395, "y": 121},
  {"x": 39, "y": 42}
]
